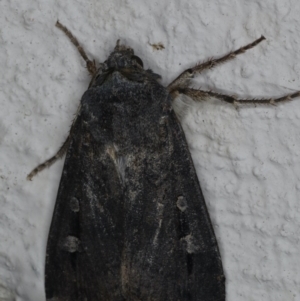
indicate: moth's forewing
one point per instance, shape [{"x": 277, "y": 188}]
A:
[{"x": 130, "y": 221}]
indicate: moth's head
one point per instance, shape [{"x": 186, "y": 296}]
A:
[
  {"x": 124, "y": 60},
  {"x": 123, "y": 57}
]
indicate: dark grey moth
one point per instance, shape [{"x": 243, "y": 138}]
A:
[{"x": 130, "y": 222}]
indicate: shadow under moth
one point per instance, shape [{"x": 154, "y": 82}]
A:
[{"x": 130, "y": 222}]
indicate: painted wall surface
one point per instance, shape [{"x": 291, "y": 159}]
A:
[{"x": 247, "y": 159}]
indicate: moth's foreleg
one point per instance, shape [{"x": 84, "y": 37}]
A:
[
  {"x": 182, "y": 81},
  {"x": 91, "y": 65},
  {"x": 199, "y": 95}
]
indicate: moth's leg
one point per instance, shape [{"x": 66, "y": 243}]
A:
[
  {"x": 58, "y": 155},
  {"x": 50, "y": 161},
  {"x": 91, "y": 65},
  {"x": 199, "y": 95},
  {"x": 183, "y": 79}
]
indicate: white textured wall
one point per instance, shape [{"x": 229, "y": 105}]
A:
[{"x": 247, "y": 159}]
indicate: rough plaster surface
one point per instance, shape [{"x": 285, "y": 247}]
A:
[{"x": 247, "y": 159}]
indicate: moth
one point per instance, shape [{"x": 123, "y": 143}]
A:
[{"x": 130, "y": 222}]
